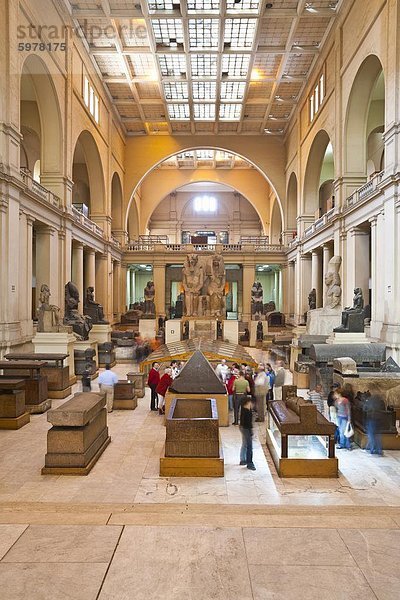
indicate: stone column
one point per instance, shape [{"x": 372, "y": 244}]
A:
[
  {"x": 276, "y": 290},
  {"x": 123, "y": 281},
  {"x": 77, "y": 271},
  {"x": 291, "y": 288},
  {"x": 248, "y": 280},
  {"x": 357, "y": 264},
  {"x": 25, "y": 270},
  {"x": 374, "y": 269},
  {"x": 116, "y": 290},
  {"x": 101, "y": 283},
  {"x": 132, "y": 286},
  {"x": 305, "y": 281},
  {"x": 89, "y": 257},
  {"x": 47, "y": 262},
  {"x": 159, "y": 284},
  {"x": 284, "y": 289},
  {"x": 327, "y": 255},
  {"x": 316, "y": 275}
]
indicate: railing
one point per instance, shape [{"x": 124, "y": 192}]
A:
[
  {"x": 85, "y": 222},
  {"x": 137, "y": 246},
  {"x": 319, "y": 223},
  {"x": 39, "y": 190},
  {"x": 116, "y": 242},
  {"x": 365, "y": 190}
]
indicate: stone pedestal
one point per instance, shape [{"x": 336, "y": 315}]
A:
[
  {"x": 12, "y": 404},
  {"x": 322, "y": 321},
  {"x": 124, "y": 396},
  {"x": 347, "y": 338},
  {"x": 253, "y": 331},
  {"x": 205, "y": 329},
  {"x": 83, "y": 345},
  {"x": 100, "y": 333},
  {"x": 57, "y": 343},
  {"x": 139, "y": 381},
  {"x": 173, "y": 329},
  {"x": 231, "y": 331},
  {"x": 78, "y": 437},
  {"x": 148, "y": 328}
]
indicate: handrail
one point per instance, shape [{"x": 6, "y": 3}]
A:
[
  {"x": 86, "y": 222},
  {"x": 364, "y": 191},
  {"x": 38, "y": 189}
]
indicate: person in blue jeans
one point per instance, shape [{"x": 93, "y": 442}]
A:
[
  {"x": 343, "y": 409},
  {"x": 246, "y": 429},
  {"x": 374, "y": 407}
]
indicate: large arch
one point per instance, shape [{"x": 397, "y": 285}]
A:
[
  {"x": 87, "y": 158},
  {"x": 291, "y": 202},
  {"x": 312, "y": 177},
  {"x": 116, "y": 202},
  {"x": 159, "y": 183},
  {"x": 276, "y": 227},
  {"x": 51, "y": 146},
  {"x": 357, "y": 112},
  {"x": 266, "y": 154}
]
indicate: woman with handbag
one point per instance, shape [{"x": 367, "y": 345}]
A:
[{"x": 342, "y": 403}]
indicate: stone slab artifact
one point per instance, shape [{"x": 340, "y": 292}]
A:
[
  {"x": 192, "y": 428},
  {"x": 56, "y": 371},
  {"x": 345, "y": 366},
  {"x": 125, "y": 397},
  {"x": 85, "y": 360},
  {"x": 198, "y": 376},
  {"x": 333, "y": 290},
  {"x": 81, "y": 325},
  {"x": 57, "y": 343},
  {"x": 93, "y": 309},
  {"x": 322, "y": 321},
  {"x": 79, "y": 435},
  {"x": 368, "y": 353},
  {"x": 139, "y": 381},
  {"x": 36, "y": 390},
  {"x": 106, "y": 354},
  {"x": 12, "y": 404}
]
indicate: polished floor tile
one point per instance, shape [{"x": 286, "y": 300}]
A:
[{"x": 9, "y": 534}]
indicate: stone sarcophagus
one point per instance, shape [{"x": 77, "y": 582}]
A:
[
  {"x": 78, "y": 436},
  {"x": 85, "y": 360},
  {"x": 139, "y": 381},
  {"x": 13, "y": 414},
  {"x": 106, "y": 354},
  {"x": 192, "y": 428},
  {"x": 55, "y": 370},
  {"x": 125, "y": 396},
  {"x": 36, "y": 389}
]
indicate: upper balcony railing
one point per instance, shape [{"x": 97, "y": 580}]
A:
[
  {"x": 364, "y": 191},
  {"x": 39, "y": 190},
  {"x": 320, "y": 223},
  {"x": 86, "y": 223},
  {"x": 240, "y": 248}
]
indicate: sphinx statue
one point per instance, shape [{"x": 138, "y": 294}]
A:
[
  {"x": 93, "y": 309},
  {"x": 81, "y": 324},
  {"x": 193, "y": 279},
  {"x": 333, "y": 290},
  {"x": 353, "y": 316},
  {"x": 48, "y": 314}
]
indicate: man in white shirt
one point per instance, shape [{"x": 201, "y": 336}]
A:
[
  {"x": 221, "y": 370},
  {"x": 107, "y": 380}
]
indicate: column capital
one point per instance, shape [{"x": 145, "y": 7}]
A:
[
  {"x": 373, "y": 221},
  {"x": 47, "y": 230},
  {"x": 77, "y": 245}
]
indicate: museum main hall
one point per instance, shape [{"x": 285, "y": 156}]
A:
[{"x": 199, "y": 299}]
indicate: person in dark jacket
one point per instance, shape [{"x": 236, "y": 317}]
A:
[
  {"x": 153, "y": 381},
  {"x": 162, "y": 389},
  {"x": 246, "y": 429},
  {"x": 374, "y": 407}
]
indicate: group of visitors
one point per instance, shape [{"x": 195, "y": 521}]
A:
[{"x": 159, "y": 384}]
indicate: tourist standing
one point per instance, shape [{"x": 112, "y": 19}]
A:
[
  {"x": 246, "y": 429},
  {"x": 241, "y": 388},
  {"x": 162, "y": 389},
  {"x": 271, "y": 377},
  {"x": 153, "y": 381},
  {"x": 343, "y": 409},
  {"x": 374, "y": 407},
  {"x": 107, "y": 380},
  {"x": 261, "y": 387},
  {"x": 221, "y": 370},
  {"x": 279, "y": 380},
  {"x": 231, "y": 378},
  {"x": 332, "y": 409},
  {"x": 316, "y": 398},
  {"x": 174, "y": 369}
]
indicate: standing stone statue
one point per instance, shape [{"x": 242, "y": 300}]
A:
[
  {"x": 312, "y": 299},
  {"x": 81, "y": 325},
  {"x": 149, "y": 295},
  {"x": 353, "y": 317},
  {"x": 333, "y": 290},
  {"x": 48, "y": 314},
  {"x": 93, "y": 309},
  {"x": 257, "y": 306},
  {"x": 193, "y": 278},
  {"x": 260, "y": 332},
  {"x": 216, "y": 286}
]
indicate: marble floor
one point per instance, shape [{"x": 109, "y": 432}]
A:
[{"x": 123, "y": 532}]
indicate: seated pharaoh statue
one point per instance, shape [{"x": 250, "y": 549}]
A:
[
  {"x": 81, "y": 324},
  {"x": 353, "y": 317},
  {"x": 48, "y": 314},
  {"x": 93, "y": 309}
]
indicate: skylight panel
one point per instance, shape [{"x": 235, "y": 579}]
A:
[
  {"x": 159, "y": 5},
  {"x": 204, "y": 90},
  {"x": 203, "y": 65},
  {"x": 233, "y": 90},
  {"x": 203, "y": 33},
  {"x": 168, "y": 31},
  {"x": 172, "y": 65},
  {"x": 204, "y": 112},
  {"x": 239, "y": 33},
  {"x": 205, "y": 154},
  {"x": 235, "y": 65},
  {"x": 195, "y": 6},
  {"x": 248, "y": 6},
  {"x": 176, "y": 90},
  {"x": 143, "y": 65},
  {"x": 179, "y": 111},
  {"x": 230, "y": 112}
]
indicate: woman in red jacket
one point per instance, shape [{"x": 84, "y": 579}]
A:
[
  {"x": 153, "y": 381},
  {"x": 162, "y": 389}
]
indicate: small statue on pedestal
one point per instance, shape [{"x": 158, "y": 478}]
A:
[
  {"x": 93, "y": 309},
  {"x": 81, "y": 325},
  {"x": 260, "y": 332},
  {"x": 149, "y": 295},
  {"x": 353, "y": 317},
  {"x": 257, "y": 306},
  {"x": 312, "y": 299},
  {"x": 333, "y": 293},
  {"x": 48, "y": 314}
]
